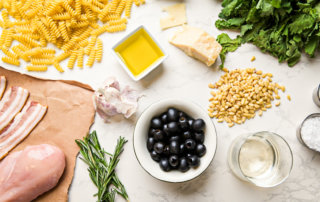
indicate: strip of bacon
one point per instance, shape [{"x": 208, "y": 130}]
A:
[
  {"x": 3, "y": 85},
  {"x": 21, "y": 126},
  {"x": 12, "y": 103}
]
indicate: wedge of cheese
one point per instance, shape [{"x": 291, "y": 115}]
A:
[
  {"x": 197, "y": 43},
  {"x": 176, "y": 16}
]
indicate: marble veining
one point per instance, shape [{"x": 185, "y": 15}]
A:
[{"x": 183, "y": 77}]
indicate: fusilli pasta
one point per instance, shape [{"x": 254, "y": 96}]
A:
[
  {"x": 37, "y": 68},
  {"x": 67, "y": 24},
  {"x": 72, "y": 59}
]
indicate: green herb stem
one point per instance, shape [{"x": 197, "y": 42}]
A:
[{"x": 101, "y": 171}]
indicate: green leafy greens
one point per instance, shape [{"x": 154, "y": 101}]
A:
[
  {"x": 101, "y": 172},
  {"x": 283, "y": 28}
]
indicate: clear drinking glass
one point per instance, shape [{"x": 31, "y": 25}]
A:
[
  {"x": 263, "y": 158},
  {"x": 316, "y": 95}
]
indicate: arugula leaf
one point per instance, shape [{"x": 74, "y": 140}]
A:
[
  {"x": 229, "y": 24},
  {"x": 283, "y": 28},
  {"x": 312, "y": 45},
  {"x": 301, "y": 23},
  {"x": 229, "y": 45}
]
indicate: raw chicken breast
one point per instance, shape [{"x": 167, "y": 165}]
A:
[{"x": 26, "y": 174}]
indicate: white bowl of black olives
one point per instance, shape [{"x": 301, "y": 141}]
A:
[{"x": 174, "y": 140}]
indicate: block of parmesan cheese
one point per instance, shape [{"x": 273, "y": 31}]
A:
[
  {"x": 176, "y": 16},
  {"x": 197, "y": 43}
]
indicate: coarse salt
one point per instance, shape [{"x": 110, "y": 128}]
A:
[{"x": 310, "y": 133}]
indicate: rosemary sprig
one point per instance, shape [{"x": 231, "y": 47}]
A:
[{"x": 102, "y": 172}]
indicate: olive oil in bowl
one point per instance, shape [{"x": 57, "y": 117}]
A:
[{"x": 139, "y": 53}]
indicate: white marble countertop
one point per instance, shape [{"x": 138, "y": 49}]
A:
[{"x": 183, "y": 77}]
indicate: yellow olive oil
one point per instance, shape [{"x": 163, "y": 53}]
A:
[{"x": 139, "y": 52}]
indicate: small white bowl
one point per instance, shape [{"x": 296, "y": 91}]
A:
[
  {"x": 151, "y": 67},
  {"x": 141, "y": 134}
]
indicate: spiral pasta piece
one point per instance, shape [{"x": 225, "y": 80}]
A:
[
  {"x": 8, "y": 53},
  {"x": 19, "y": 51},
  {"x": 70, "y": 25},
  {"x": 52, "y": 7},
  {"x": 53, "y": 27},
  {"x": 128, "y": 8},
  {"x": 116, "y": 28},
  {"x": 26, "y": 41},
  {"x": 37, "y": 68},
  {"x": 92, "y": 43},
  {"x": 63, "y": 30},
  {"x": 136, "y": 2},
  {"x": 114, "y": 6},
  {"x": 9, "y": 38},
  {"x": 120, "y": 7},
  {"x": 62, "y": 56},
  {"x": 10, "y": 60},
  {"x": 118, "y": 21},
  {"x": 72, "y": 59},
  {"x": 99, "y": 48},
  {"x": 41, "y": 61},
  {"x": 91, "y": 58},
  {"x": 68, "y": 8},
  {"x": 3, "y": 36},
  {"x": 80, "y": 57},
  {"x": 58, "y": 67}
]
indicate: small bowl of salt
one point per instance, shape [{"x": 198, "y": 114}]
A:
[{"x": 309, "y": 132}]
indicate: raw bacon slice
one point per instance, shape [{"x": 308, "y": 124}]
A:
[
  {"x": 3, "y": 85},
  {"x": 21, "y": 126},
  {"x": 12, "y": 103}
]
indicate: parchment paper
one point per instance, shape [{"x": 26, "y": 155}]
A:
[{"x": 70, "y": 115}]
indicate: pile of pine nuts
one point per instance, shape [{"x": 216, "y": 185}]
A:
[{"x": 241, "y": 93}]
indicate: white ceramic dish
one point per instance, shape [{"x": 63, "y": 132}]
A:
[
  {"x": 141, "y": 133},
  {"x": 151, "y": 67}
]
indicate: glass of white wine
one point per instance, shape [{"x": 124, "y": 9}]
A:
[{"x": 263, "y": 158}]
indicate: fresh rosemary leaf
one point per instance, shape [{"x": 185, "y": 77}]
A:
[{"x": 102, "y": 172}]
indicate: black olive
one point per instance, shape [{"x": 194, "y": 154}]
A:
[
  {"x": 182, "y": 148},
  {"x": 173, "y": 114},
  {"x": 155, "y": 156},
  {"x": 174, "y": 160},
  {"x": 182, "y": 114},
  {"x": 201, "y": 150},
  {"x": 158, "y": 135},
  {"x": 198, "y": 125},
  {"x": 183, "y": 122},
  {"x": 187, "y": 135},
  {"x": 156, "y": 123},
  {"x": 164, "y": 118},
  {"x": 190, "y": 121},
  {"x": 173, "y": 127},
  {"x": 199, "y": 137},
  {"x": 166, "y": 150},
  {"x": 150, "y": 143},
  {"x": 151, "y": 132},
  {"x": 183, "y": 164},
  {"x": 158, "y": 147},
  {"x": 188, "y": 155},
  {"x": 190, "y": 144},
  {"x": 193, "y": 161},
  {"x": 174, "y": 147},
  {"x": 164, "y": 164},
  {"x": 165, "y": 129},
  {"x": 174, "y": 138}
]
